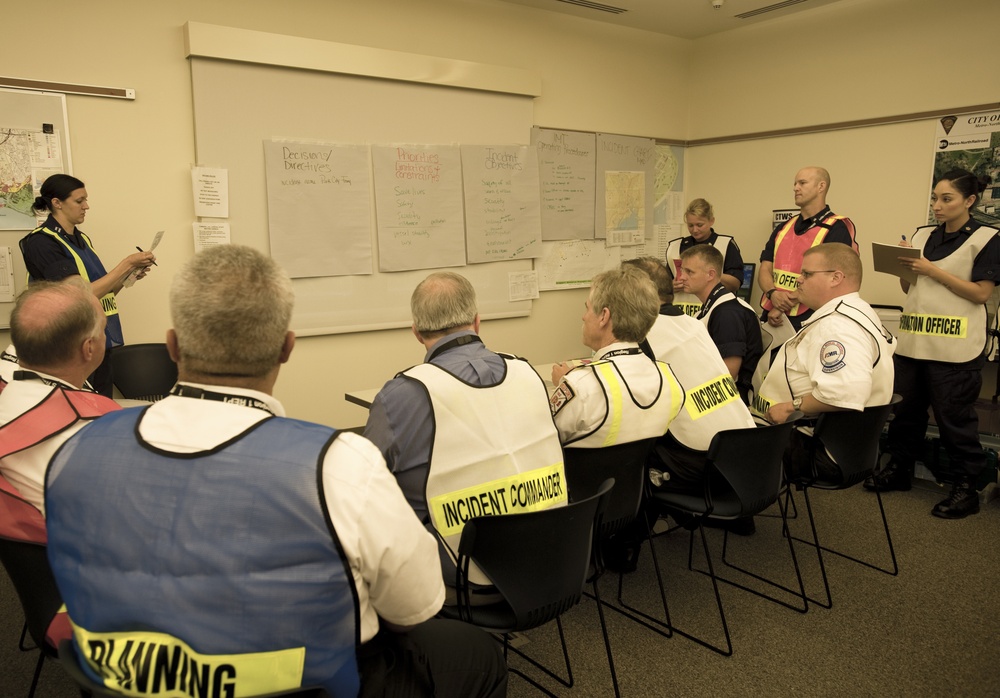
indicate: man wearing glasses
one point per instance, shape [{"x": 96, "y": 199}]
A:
[{"x": 841, "y": 359}]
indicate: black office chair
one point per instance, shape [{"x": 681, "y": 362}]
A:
[
  {"x": 71, "y": 661},
  {"x": 27, "y": 566},
  {"x": 852, "y": 440},
  {"x": 143, "y": 371},
  {"x": 743, "y": 478},
  {"x": 538, "y": 561},
  {"x": 586, "y": 469}
]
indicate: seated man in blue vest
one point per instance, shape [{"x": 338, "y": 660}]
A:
[
  {"x": 207, "y": 544},
  {"x": 731, "y": 323},
  {"x": 462, "y": 429},
  {"x": 620, "y": 395},
  {"x": 58, "y": 328}
]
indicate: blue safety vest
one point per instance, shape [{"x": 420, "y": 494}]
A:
[{"x": 213, "y": 573}]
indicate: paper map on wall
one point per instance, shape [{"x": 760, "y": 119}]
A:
[{"x": 26, "y": 158}]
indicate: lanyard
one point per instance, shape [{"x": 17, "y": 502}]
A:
[
  {"x": 630, "y": 351},
  {"x": 202, "y": 394},
  {"x": 457, "y": 342},
  {"x": 23, "y": 375}
]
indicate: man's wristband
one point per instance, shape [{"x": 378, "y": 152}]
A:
[{"x": 769, "y": 292}]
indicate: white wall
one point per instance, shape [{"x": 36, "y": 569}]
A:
[{"x": 135, "y": 156}]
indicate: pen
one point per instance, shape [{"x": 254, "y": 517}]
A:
[{"x": 154, "y": 263}]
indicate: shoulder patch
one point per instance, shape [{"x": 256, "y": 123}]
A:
[
  {"x": 562, "y": 395},
  {"x": 832, "y": 355}
]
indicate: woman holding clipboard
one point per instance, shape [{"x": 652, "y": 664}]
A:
[
  {"x": 58, "y": 249},
  {"x": 942, "y": 339}
]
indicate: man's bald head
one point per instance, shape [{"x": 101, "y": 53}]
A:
[{"x": 51, "y": 319}]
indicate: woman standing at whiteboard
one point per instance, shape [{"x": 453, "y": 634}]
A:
[
  {"x": 942, "y": 338},
  {"x": 58, "y": 249}
]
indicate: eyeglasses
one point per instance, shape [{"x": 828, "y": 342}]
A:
[{"x": 803, "y": 275}]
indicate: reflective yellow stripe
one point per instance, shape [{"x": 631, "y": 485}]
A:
[
  {"x": 516, "y": 494},
  {"x": 689, "y": 308},
  {"x": 761, "y": 405},
  {"x": 675, "y": 388},
  {"x": 108, "y": 301},
  {"x": 934, "y": 325},
  {"x": 786, "y": 280},
  {"x": 147, "y": 663},
  {"x": 615, "y": 401},
  {"x": 711, "y": 396}
]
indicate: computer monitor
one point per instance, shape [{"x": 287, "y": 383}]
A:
[{"x": 746, "y": 288}]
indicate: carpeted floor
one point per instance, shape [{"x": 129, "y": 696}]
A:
[{"x": 931, "y": 631}]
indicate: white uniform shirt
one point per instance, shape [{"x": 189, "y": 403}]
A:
[
  {"x": 843, "y": 361},
  {"x": 8, "y": 364},
  {"x": 651, "y": 400},
  {"x": 393, "y": 558}
]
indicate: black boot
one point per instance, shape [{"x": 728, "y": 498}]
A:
[
  {"x": 893, "y": 476},
  {"x": 963, "y": 500}
]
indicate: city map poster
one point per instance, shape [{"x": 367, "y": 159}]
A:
[
  {"x": 971, "y": 142},
  {"x": 27, "y": 157}
]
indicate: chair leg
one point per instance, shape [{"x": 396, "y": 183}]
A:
[
  {"x": 38, "y": 672},
  {"x": 800, "y": 594},
  {"x": 24, "y": 636},
  {"x": 607, "y": 641},
  {"x": 662, "y": 626},
  {"x": 819, "y": 552},
  {"x": 567, "y": 682},
  {"x": 718, "y": 600}
]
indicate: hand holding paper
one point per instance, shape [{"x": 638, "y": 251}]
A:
[{"x": 889, "y": 259}]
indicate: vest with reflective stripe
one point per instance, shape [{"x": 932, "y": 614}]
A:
[
  {"x": 936, "y": 324},
  {"x": 495, "y": 450},
  {"x": 788, "y": 251},
  {"x": 776, "y": 388},
  {"x": 712, "y": 402},
  {"x": 688, "y": 302},
  {"x": 222, "y": 564},
  {"x": 90, "y": 267},
  {"x": 626, "y": 420}
]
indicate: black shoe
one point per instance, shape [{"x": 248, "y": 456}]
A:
[
  {"x": 893, "y": 477},
  {"x": 742, "y": 527},
  {"x": 962, "y": 501}
]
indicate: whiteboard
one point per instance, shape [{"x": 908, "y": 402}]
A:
[
  {"x": 237, "y": 106},
  {"x": 22, "y": 109}
]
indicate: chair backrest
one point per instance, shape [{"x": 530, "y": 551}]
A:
[
  {"x": 852, "y": 439},
  {"x": 71, "y": 662},
  {"x": 538, "y": 560},
  {"x": 143, "y": 371},
  {"x": 750, "y": 460},
  {"x": 588, "y": 468},
  {"x": 27, "y": 566}
]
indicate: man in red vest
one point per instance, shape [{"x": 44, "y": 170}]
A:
[
  {"x": 57, "y": 328},
  {"x": 781, "y": 260}
]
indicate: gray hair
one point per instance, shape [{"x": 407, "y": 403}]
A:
[
  {"x": 630, "y": 295},
  {"x": 231, "y": 307},
  {"x": 51, "y": 319},
  {"x": 443, "y": 301}
]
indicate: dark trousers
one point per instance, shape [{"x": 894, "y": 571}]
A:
[
  {"x": 951, "y": 391},
  {"x": 436, "y": 658}
]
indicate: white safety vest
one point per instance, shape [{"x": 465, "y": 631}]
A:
[
  {"x": 777, "y": 385},
  {"x": 711, "y": 400},
  {"x": 688, "y": 302},
  {"x": 728, "y": 297},
  {"x": 495, "y": 451},
  {"x": 627, "y": 420},
  {"x": 936, "y": 324}
]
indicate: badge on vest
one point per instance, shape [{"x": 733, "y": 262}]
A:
[
  {"x": 563, "y": 394},
  {"x": 832, "y": 355}
]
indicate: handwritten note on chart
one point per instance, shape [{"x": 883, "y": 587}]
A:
[
  {"x": 501, "y": 202},
  {"x": 318, "y": 197},
  {"x": 566, "y": 173},
  {"x": 418, "y": 205}
]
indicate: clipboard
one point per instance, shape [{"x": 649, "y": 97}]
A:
[{"x": 886, "y": 260}]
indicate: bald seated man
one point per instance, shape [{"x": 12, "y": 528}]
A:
[
  {"x": 781, "y": 259},
  {"x": 57, "y": 328}
]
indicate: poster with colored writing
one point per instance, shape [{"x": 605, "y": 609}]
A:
[
  {"x": 418, "y": 206},
  {"x": 318, "y": 208},
  {"x": 567, "y": 165},
  {"x": 501, "y": 202},
  {"x": 626, "y": 177}
]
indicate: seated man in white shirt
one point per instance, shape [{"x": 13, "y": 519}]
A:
[
  {"x": 621, "y": 395},
  {"x": 261, "y": 553},
  {"x": 841, "y": 358},
  {"x": 59, "y": 329}
]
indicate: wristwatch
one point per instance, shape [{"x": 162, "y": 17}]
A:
[
  {"x": 797, "y": 404},
  {"x": 769, "y": 292}
]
